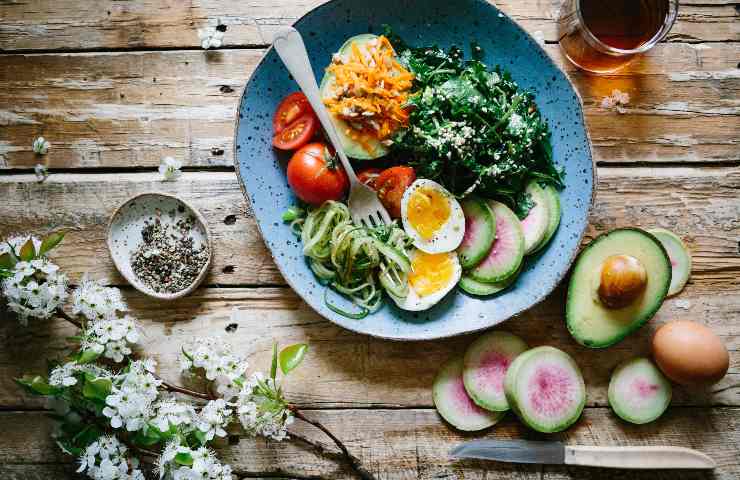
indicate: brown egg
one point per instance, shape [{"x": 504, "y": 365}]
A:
[
  {"x": 689, "y": 353},
  {"x": 623, "y": 279}
]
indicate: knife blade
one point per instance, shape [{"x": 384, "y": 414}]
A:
[
  {"x": 556, "y": 453},
  {"x": 516, "y": 451}
]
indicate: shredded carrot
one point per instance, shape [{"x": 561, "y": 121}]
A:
[{"x": 370, "y": 92}]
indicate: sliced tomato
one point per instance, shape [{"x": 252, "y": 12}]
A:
[
  {"x": 368, "y": 176},
  {"x": 290, "y": 108},
  {"x": 314, "y": 177},
  {"x": 390, "y": 184},
  {"x": 296, "y": 134}
]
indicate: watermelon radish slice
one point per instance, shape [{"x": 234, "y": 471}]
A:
[
  {"x": 453, "y": 402},
  {"x": 535, "y": 224},
  {"x": 480, "y": 232},
  {"x": 638, "y": 392},
  {"x": 679, "y": 256},
  {"x": 507, "y": 251},
  {"x": 545, "y": 388},
  {"x": 474, "y": 287},
  {"x": 484, "y": 368},
  {"x": 554, "y": 212}
]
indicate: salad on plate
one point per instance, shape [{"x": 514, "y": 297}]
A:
[{"x": 459, "y": 156}]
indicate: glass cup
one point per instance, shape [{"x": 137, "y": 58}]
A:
[{"x": 588, "y": 50}]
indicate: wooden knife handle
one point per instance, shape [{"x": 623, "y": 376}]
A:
[{"x": 638, "y": 457}]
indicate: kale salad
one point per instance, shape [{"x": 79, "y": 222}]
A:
[{"x": 472, "y": 128}]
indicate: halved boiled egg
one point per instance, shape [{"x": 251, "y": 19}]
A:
[
  {"x": 432, "y": 276},
  {"x": 432, "y": 217}
]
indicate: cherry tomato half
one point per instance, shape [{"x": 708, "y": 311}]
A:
[
  {"x": 290, "y": 108},
  {"x": 314, "y": 177},
  {"x": 368, "y": 176},
  {"x": 390, "y": 184},
  {"x": 297, "y": 133}
]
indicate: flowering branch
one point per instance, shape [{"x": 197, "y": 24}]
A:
[{"x": 113, "y": 408}]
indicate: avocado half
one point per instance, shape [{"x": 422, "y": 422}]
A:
[
  {"x": 351, "y": 148},
  {"x": 590, "y": 322}
]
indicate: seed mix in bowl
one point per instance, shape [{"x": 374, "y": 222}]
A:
[{"x": 167, "y": 260}]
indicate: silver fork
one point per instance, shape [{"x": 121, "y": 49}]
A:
[{"x": 363, "y": 202}]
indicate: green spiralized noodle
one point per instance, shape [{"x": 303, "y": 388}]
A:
[{"x": 356, "y": 261}]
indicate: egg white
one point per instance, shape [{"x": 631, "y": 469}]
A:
[
  {"x": 414, "y": 303},
  {"x": 450, "y": 235}
]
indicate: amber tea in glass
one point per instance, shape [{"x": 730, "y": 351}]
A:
[{"x": 602, "y": 36}]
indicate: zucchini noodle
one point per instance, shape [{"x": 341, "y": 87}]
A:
[{"x": 356, "y": 261}]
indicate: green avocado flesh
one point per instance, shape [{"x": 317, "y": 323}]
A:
[
  {"x": 352, "y": 148},
  {"x": 590, "y": 322}
]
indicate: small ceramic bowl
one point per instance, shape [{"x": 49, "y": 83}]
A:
[{"x": 124, "y": 235}]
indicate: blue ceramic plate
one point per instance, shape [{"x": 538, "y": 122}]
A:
[{"x": 261, "y": 169}]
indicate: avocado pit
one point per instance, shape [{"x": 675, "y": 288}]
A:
[{"x": 623, "y": 280}]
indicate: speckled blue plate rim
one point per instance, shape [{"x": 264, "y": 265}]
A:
[{"x": 424, "y": 334}]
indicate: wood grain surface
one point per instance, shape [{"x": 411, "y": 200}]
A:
[{"x": 116, "y": 85}]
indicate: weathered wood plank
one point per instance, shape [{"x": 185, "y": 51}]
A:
[
  {"x": 699, "y": 204},
  {"x": 413, "y": 444},
  {"x": 344, "y": 369},
  {"x": 131, "y": 109},
  {"x": 70, "y": 25}
]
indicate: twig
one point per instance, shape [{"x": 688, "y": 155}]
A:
[
  {"x": 64, "y": 315},
  {"x": 351, "y": 460},
  {"x": 186, "y": 391}
]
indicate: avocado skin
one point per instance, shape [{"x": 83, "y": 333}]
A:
[{"x": 572, "y": 291}]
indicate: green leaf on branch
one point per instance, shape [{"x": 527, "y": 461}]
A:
[
  {"x": 184, "y": 459},
  {"x": 96, "y": 388},
  {"x": 273, "y": 368},
  {"x": 50, "y": 242},
  {"x": 292, "y": 356},
  {"x": 28, "y": 251},
  {"x": 86, "y": 356},
  {"x": 37, "y": 385},
  {"x": 147, "y": 436},
  {"x": 200, "y": 437},
  {"x": 7, "y": 261}
]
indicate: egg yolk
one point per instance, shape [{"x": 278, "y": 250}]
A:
[
  {"x": 428, "y": 209},
  {"x": 430, "y": 272}
]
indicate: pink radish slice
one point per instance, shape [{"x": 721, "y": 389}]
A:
[
  {"x": 485, "y": 364},
  {"x": 638, "y": 391},
  {"x": 507, "y": 251},
  {"x": 534, "y": 225},
  {"x": 453, "y": 402},
  {"x": 480, "y": 232},
  {"x": 545, "y": 388}
]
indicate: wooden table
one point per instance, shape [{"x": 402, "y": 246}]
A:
[{"x": 117, "y": 85}]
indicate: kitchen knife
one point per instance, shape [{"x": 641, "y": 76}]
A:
[{"x": 556, "y": 453}]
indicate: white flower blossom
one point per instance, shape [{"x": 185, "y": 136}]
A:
[
  {"x": 220, "y": 363},
  {"x": 107, "y": 459},
  {"x": 130, "y": 403},
  {"x": 211, "y": 36},
  {"x": 42, "y": 173},
  {"x": 205, "y": 464},
  {"x": 95, "y": 301},
  {"x": 64, "y": 375},
  {"x": 260, "y": 414},
  {"x": 617, "y": 100},
  {"x": 41, "y": 146},
  {"x": 35, "y": 289},
  {"x": 213, "y": 418},
  {"x": 170, "y": 412},
  {"x": 169, "y": 168}
]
